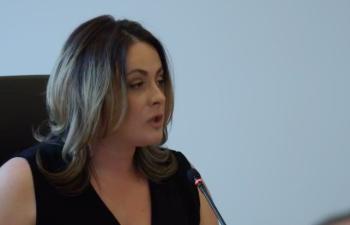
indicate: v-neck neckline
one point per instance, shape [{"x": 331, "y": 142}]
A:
[{"x": 105, "y": 208}]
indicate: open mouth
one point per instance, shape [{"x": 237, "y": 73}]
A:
[{"x": 157, "y": 121}]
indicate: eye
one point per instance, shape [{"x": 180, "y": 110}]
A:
[
  {"x": 161, "y": 81},
  {"x": 136, "y": 85}
]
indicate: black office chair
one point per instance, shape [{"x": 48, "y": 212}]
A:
[{"x": 22, "y": 110}]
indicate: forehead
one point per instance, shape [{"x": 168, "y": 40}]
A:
[{"x": 141, "y": 55}]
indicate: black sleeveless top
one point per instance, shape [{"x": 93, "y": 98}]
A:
[{"x": 173, "y": 201}]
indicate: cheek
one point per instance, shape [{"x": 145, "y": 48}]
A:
[{"x": 135, "y": 110}]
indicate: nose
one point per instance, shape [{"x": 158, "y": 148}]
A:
[{"x": 157, "y": 96}]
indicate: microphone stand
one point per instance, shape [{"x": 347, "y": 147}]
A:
[
  {"x": 194, "y": 175},
  {"x": 204, "y": 190}
]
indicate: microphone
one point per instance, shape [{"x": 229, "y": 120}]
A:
[{"x": 195, "y": 178}]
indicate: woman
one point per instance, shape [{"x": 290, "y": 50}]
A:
[{"x": 109, "y": 101}]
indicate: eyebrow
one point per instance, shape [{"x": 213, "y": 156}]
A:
[{"x": 143, "y": 72}]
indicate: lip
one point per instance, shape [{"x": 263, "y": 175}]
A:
[{"x": 156, "y": 121}]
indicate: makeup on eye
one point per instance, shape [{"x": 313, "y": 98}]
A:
[
  {"x": 136, "y": 85},
  {"x": 140, "y": 82},
  {"x": 162, "y": 81},
  {"x": 137, "y": 78}
]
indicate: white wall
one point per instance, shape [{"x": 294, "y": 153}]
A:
[{"x": 262, "y": 93}]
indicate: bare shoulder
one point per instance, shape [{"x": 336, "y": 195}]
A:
[
  {"x": 17, "y": 192},
  {"x": 207, "y": 216},
  {"x": 15, "y": 165}
]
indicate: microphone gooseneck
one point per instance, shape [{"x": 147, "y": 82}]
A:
[{"x": 195, "y": 178}]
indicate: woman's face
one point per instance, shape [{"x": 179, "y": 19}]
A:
[{"x": 143, "y": 124}]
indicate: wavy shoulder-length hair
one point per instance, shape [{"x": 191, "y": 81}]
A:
[{"x": 86, "y": 98}]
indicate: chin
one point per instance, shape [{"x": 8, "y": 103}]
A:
[{"x": 154, "y": 140}]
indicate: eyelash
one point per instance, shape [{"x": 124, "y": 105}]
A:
[{"x": 139, "y": 84}]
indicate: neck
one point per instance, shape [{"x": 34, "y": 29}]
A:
[{"x": 112, "y": 160}]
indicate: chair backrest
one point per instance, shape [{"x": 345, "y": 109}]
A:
[{"x": 22, "y": 109}]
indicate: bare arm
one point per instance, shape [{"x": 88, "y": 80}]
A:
[{"x": 17, "y": 200}]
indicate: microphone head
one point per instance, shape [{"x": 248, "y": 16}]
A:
[{"x": 193, "y": 175}]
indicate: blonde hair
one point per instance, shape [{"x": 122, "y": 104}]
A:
[{"x": 87, "y": 88}]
